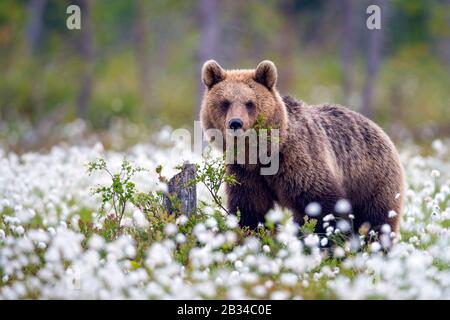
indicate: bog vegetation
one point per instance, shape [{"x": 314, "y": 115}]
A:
[{"x": 82, "y": 222}]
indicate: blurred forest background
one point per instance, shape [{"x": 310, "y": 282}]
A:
[{"x": 136, "y": 64}]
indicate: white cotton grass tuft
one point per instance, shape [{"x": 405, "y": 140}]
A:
[
  {"x": 392, "y": 214},
  {"x": 343, "y": 225},
  {"x": 339, "y": 252},
  {"x": 20, "y": 230},
  {"x": 312, "y": 240},
  {"x": 231, "y": 221},
  {"x": 222, "y": 260},
  {"x": 274, "y": 216},
  {"x": 385, "y": 228},
  {"x": 170, "y": 229},
  {"x": 375, "y": 246},
  {"x": 343, "y": 206},
  {"x": 139, "y": 219},
  {"x": 435, "y": 173},
  {"x": 313, "y": 209},
  {"x": 182, "y": 220},
  {"x": 180, "y": 238}
]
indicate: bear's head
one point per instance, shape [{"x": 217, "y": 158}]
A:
[{"x": 238, "y": 100}]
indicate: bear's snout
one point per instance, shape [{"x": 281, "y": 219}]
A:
[{"x": 235, "y": 124}]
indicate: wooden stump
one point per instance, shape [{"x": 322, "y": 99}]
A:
[{"x": 182, "y": 192}]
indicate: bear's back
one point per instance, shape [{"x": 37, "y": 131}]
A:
[
  {"x": 360, "y": 148},
  {"x": 349, "y": 133}
]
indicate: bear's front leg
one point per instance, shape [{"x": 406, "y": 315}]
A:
[{"x": 251, "y": 196}]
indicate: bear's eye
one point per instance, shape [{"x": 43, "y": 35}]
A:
[
  {"x": 225, "y": 104},
  {"x": 249, "y": 104}
]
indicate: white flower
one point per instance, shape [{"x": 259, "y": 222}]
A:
[
  {"x": 343, "y": 225},
  {"x": 438, "y": 145},
  {"x": 231, "y": 221},
  {"x": 259, "y": 291},
  {"x": 342, "y": 206},
  {"x": 289, "y": 279},
  {"x": 20, "y": 230},
  {"x": 339, "y": 252},
  {"x": 312, "y": 240},
  {"x": 5, "y": 278},
  {"x": 313, "y": 209},
  {"x": 274, "y": 216},
  {"x": 158, "y": 255},
  {"x": 211, "y": 222},
  {"x": 392, "y": 214},
  {"x": 139, "y": 219},
  {"x": 435, "y": 173},
  {"x": 375, "y": 246},
  {"x": 182, "y": 220},
  {"x": 41, "y": 245},
  {"x": 180, "y": 238},
  {"x": 170, "y": 229},
  {"x": 324, "y": 241},
  {"x": 126, "y": 222},
  {"x": 209, "y": 211},
  {"x": 328, "y": 217},
  {"x": 385, "y": 228},
  {"x": 279, "y": 295},
  {"x": 96, "y": 242},
  {"x": 230, "y": 237}
]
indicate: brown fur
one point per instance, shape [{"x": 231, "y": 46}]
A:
[{"x": 327, "y": 152}]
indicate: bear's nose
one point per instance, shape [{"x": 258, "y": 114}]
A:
[{"x": 235, "y": 124}]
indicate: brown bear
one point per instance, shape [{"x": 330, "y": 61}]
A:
[{"x": 327, "y": 152}]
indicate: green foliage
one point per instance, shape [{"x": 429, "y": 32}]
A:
[
  {"x": 118, "y": 194},
  {"x": 308, "y": 226},
  {"x": 212, "y": 174}
]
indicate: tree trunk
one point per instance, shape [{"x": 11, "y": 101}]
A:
[
  {"x": 182, "y": 192},
  {"x": 86, "y": 53},
  {"x": 287, "y": 42},
  {"x": 375, "y": 47},
  {"x": 444, "y": 36},
  {"x": 141, "y": 45},
  {"x": 36, "y": 9},
  {"x": 348, "y": 47},
  {"x": 34, "y": 36},
  {"x": 209, "y": 32}
]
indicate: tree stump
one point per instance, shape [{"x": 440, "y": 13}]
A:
[{"x": 182, "y": 192}]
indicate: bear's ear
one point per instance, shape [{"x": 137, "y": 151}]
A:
[
  {"x": 266, "y": 74},
  {"x": 212, "y": 73}
]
